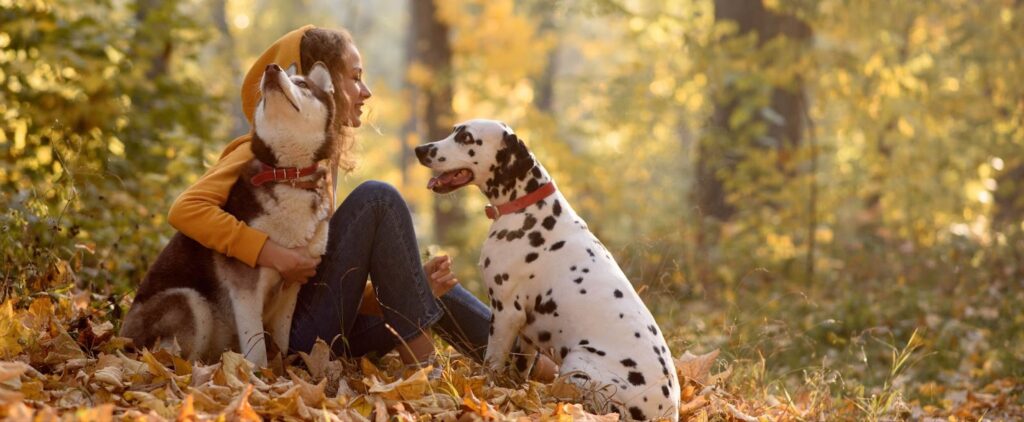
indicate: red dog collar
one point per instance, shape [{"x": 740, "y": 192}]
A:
[
  {"x": 276, "y": 174},
  {"x": 493, "y": 212}
]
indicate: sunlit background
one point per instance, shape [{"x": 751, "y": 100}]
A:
[{"x": 802, "y": 184}]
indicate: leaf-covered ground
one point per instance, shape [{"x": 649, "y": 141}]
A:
[{"x": 62, "y": 360}]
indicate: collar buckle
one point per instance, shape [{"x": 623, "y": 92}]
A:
[{"x": 492, "y": 212}]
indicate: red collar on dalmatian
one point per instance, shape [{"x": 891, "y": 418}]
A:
[
  {"x": 276, "y": 174},
  {"x": 493, "y": 212}
]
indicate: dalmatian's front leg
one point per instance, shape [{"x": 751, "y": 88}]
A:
[{"x": 505, "y": 327}]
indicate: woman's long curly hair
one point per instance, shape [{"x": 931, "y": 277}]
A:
[{"x": 330, "y": 46}]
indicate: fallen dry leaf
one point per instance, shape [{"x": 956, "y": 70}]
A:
[
  {"x": 411, "y": 388},
  {"x": 241, "y": 410},
  {"x": 695, "y": 368},
  {"x": 318, "y": 359}
]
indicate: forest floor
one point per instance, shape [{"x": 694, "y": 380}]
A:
[{"x": 63, "y": 360}]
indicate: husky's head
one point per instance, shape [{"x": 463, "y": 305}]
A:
[{"x": 293, "y": 121}]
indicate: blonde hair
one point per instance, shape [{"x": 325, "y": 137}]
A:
[{"x": 330, "y": 46}]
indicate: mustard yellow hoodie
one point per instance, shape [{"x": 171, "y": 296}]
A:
[{"x": 198, "y": 211}]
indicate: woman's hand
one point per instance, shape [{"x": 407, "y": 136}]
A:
[
  {"x": 439, "y": 274},
  {"x": 294, "y": 265}
]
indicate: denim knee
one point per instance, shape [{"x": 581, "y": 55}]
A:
[{"x": 379, "y": 192}]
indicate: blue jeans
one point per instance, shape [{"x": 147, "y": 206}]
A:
[{"x": 371, "y": 234}]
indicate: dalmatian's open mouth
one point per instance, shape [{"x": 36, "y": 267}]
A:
[{"x": 450, "y": 180}]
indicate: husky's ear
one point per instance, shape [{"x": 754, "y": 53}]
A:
[{"x": 320, "y": 76}]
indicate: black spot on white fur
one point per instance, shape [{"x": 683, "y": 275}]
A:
[
  {"x": 536, "y": 239},
  {"x": 548, "y": 307},
  {"x": 549, "y": 222}
]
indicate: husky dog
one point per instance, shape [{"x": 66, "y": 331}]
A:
[
  {"x": 552, "y": 283},
  {"x": 210, "y": 303}
]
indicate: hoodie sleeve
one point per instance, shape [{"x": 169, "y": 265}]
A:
[{"x": 198, "y": 212}]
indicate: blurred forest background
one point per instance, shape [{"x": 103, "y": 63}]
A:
[{"x": 803, "y": 184}]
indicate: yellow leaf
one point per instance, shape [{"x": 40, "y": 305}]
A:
[
  {"x": 318, "y": 359},
  {"x": 562, "y": 389},
  {"x": 241, "y": 410},
  {"x": 149, "y": 401},
  {"x": 181, "y": 366},
  {"x": 101, "y": 413},
  {"x": 574, "y": 412},
  {"x": 155, "y": 367},
  {"x": 310, "y": 394},
  {"x": 472, "y": 404},
  {"x": 10, "y": 373},
  {"x": 187, "y": 413},
  {"x": 362, "y": 406},
  {"x": 111, "y": 375},
  {"x": 691, "y": 406},
  {"x": 371, "y": 370},
  {"x": 695, "y": 367},
  {"x": 61, "y": 349},
  {"x": 234, "y": 371},
  {"x": 411, "y": 388},
  {"x": 905, "y": 128},
  {"x": 13, "y": 334}
]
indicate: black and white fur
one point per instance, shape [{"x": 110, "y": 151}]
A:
[
  {"x": 553, "y": 284},
  {"x": 210, "y": 303}
]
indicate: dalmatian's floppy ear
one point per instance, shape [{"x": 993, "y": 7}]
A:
[{"x": 321, "y": 77}]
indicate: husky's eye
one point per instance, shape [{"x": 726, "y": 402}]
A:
[{"x": 302, "y": 84}]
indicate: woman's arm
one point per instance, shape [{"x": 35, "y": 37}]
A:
[{"x": 197, "y": 212}]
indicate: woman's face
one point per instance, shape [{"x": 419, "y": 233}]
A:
[{"x": 353, "y": 87}]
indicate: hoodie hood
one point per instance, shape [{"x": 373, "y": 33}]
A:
[{"x": 284, "y": 52}]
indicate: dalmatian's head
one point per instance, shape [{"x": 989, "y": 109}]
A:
[{"x": 486, "y": 153}]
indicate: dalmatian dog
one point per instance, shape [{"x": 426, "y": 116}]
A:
[{"x": 552, "y": 283}]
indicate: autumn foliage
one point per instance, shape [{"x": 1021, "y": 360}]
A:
[{"x": 828, "y": 193}]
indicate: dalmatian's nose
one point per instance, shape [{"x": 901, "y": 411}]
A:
[{"x": 423, "y": 152}]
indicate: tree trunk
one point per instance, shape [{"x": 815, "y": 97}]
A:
[
  {"x": 1009, "y": 197},
  {"x": 544, "y": 87},
  {"x": 218, "y": 8},
  {"x": 720, "y": 152},
  {"x": 159, "y": 62},
  {"x": 432, "y": 50},
  {"x": 715, "y": 159}
]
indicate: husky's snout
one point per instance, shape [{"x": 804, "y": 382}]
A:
[{"x": 275, "y": 80}]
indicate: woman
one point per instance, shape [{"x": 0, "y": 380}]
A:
[{"x": 371, "y": 234}]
